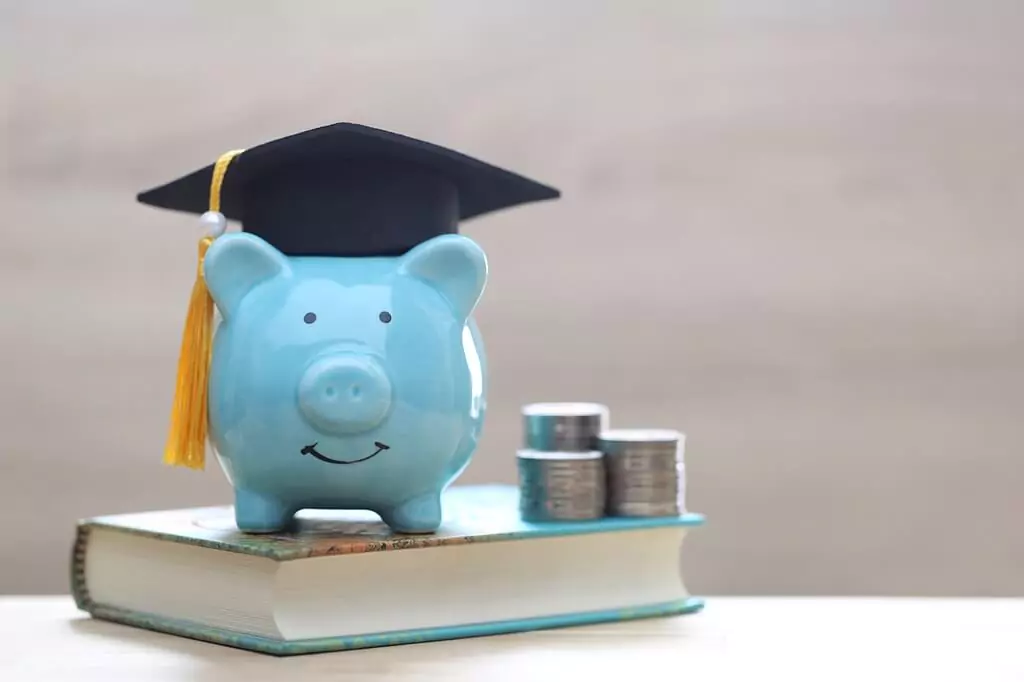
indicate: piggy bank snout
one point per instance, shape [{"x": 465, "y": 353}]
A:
[{"x": 345, "y": 393}]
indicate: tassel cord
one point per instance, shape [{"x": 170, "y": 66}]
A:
[{"x": 189, "y": 427}]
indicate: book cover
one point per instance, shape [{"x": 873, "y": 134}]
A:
[{"x": 472, "y": 514}]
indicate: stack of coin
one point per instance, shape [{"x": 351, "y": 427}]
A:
[
  {"x": 561, "y": 486},
  {"x": 645, "y": 472},
  {"x": 561, "y": 469},
  {"x": 563, "y": 427}
]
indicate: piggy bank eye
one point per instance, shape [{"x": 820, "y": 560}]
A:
[
  {"x": 385, "y": 317},
  {"x": 309, "y": 318}
]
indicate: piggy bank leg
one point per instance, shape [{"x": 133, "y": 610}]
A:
[
  {"x": 259, "y": 513},
  {"x": 421, "y": 514}
]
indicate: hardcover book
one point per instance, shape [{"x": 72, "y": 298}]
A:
[{"x": 344, "y": 580}]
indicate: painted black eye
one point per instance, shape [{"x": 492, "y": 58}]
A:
[
  {"x": 310, "y": 318},
  {"x": 385, "y": 317}
]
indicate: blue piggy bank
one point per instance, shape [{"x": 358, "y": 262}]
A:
[
  {"x": 346, "y": 371},
  {"x": 345, "y": 383}
]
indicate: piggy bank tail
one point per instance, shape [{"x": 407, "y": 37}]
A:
[{"x": 186, "y": 441}]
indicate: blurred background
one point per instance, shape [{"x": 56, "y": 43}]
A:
[{"x": 790, "y": 229}]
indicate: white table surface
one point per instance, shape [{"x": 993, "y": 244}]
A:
[{"x": 975, "y": 640}]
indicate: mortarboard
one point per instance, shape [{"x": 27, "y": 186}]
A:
[
  {"x": 342, "y": 190},
  {"x": 350, "y": 190}
]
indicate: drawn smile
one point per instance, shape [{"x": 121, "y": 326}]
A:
[{"x": 311, "y": 450}]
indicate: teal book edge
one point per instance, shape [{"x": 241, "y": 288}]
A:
[
  {"x": 328, "y": 644},
  {"x": 472, "y": 514}
]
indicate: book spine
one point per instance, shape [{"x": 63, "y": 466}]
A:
[{"x": 79, "y": 588}]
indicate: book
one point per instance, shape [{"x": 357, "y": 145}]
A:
[{"x": 343, "y": 580}]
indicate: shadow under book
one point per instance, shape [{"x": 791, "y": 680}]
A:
[{"x": 344, "y": 580}]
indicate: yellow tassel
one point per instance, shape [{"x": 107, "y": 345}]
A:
[{"x": 186, "y": 442}]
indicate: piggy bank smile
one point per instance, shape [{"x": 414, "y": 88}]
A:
[{"x": 311, "y": 450}]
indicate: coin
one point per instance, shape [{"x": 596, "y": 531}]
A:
[
  {"x": 645, "y": 472},
  {"x": 561, "y": 486},
  {"x": 563, "y": 427}
]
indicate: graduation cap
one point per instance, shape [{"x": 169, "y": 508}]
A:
[
  {"x": 342, "y": 190},
  {"x": 349, "y": 190}
]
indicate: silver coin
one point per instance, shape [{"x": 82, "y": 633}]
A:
[
  {"x": 563, "y": 427},
  {"x": 561, "y": 486},
  {"x": 645, "y": 472}
]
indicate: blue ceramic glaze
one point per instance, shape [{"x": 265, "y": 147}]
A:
[{"x": 345, "y": 383}]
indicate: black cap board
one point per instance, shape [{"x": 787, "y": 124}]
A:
[{"x": 350, "y": 190}]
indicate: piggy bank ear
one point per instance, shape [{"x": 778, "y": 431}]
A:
[
  {"x": 235, "y": 263},
  {"x": 452, "y": 264}
]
